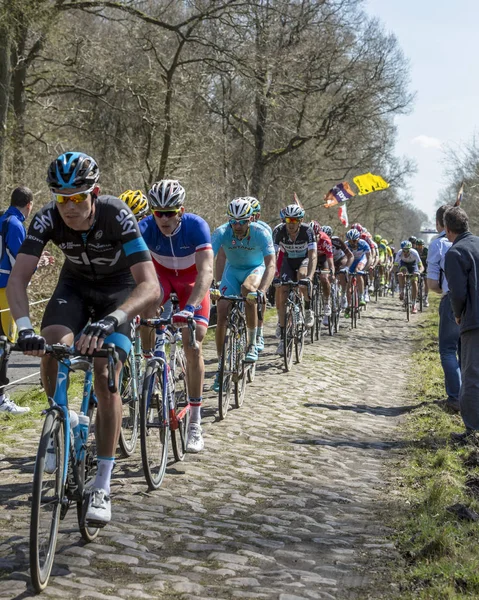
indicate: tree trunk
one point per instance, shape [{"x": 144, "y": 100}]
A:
[
  {"x": 19, "y": 98},
  {"x": 5, "y": 79}
]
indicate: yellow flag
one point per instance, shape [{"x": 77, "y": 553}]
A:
[{"x": 368, "y": 183}]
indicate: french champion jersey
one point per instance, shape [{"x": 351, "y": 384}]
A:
[
  {"x": 177, "y": 252},
  {"x": 106, "y": 252},
  {"x": 361, "y": 251},
  {"x": 297, "y": 249},
  {"x": 246, "y": 253}
]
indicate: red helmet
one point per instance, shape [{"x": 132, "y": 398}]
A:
[{"x": 357, "y": 226}]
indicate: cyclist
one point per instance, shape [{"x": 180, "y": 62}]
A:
[
  {"x": 408, "y": 261},
  {"x": 180, "y": 245},
  {"x": 297, "y": 241},
  {"x": 413, "y": 240},
  {"x": 382, "y": 257},
  {"x": 137, "y": 201},
  {"x": 246, "y": 268},
  {"x": 423, "y": 251},
  {"x": 107, "y": 276},
  {"x": 373, "y": 257},
  {"x": 342, "y": 257},
  {"x": 362, "y": 258},
  {"x": 325, "y": 261}
]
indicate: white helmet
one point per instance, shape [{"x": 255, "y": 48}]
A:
[
  {"x": 353, "y": 235},
  {"x": 293, "y": 210},
  {"x": 166, "y": 194},
  {"x": 240, "y": 208}
]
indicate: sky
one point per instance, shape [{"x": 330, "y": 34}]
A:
[{"x": 440, "y": 41}]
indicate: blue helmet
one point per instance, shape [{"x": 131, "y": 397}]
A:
[
  {"x": 327, "y": 230},
  {"x": 406, "y": 245},
  {"x": 353, "y": 234},
  {"x": 73, "y": 172}
]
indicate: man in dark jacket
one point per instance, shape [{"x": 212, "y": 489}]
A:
[{"x": 462, "y": 273}]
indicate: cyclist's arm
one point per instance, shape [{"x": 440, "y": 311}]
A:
[
  {"x": 18, "y": 281},
  {"x": 204, "y": 267},
  {"x": 312, "y": 261},
  {"x": 220, "y": 264},
  {"x": 270, "y": 263},
  {"x": 147, "y": 292},
  {"x": 330, "y": 264}
]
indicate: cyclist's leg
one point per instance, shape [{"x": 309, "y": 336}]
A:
[
  {"x": 147, "y": 334},
  {"x": 402, "y": 280},
  {"x": 361, "y": 284},
  {"x": 250, "y": 284},
  {"x": 287, "y": 273}
]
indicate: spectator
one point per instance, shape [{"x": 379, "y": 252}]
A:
[
  {"x": 462, "y": 272},
  {"x": 448, "y": 328},
  {"x": 12, "y": 234}
]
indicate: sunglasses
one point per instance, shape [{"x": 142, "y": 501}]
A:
[
  {"x": 239, "y": 221},
  {"x": 292, "y": 220},
  {"x": 75, "y": 198},
  {"x": 165, "y": 213}
]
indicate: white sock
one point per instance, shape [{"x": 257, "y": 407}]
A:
[
  {"x": 103, "y": 475},
  {"x": 259, "y": 332},
  {"x": 251, "y": 336},
  {"x": 195, "y": 408}
]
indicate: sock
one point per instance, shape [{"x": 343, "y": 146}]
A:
[
  {"x": 251, "y": 336},
  {"x": 195, "y": 408},
  {"x": 103, "y": 475},
  {"x": 259, "y": 332},
  {"x": 307, "y": 304}
]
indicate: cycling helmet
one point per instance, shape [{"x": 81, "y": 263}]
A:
[
  {"x": 406, "y": 245},
  {"x": 413, "y": 239},
  {"x": 353, "y": 234},
  {"x": 316, "y": 227},
  {"x": 377, "y": 238},
  {"x": 419, "y": 242},
  {"x": 255, "y": 205},
  {"x": 72, "y": 172},
  {"x": 327, "y": 230},
  {"x": 166, "y": 194},
  {"x": 137, "y": 201},
  {"x": 240, "y": 208},
  {"x": 357, "y": 226},
  {"x": 293, "y": 211},
  {"x": 281, "y": 214},
  {"x": 383, "y": 241}
]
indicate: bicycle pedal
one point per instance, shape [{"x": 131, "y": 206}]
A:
[{"x": 95, "y": 524}]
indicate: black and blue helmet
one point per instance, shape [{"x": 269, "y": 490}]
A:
[{"x": 72, "y": 172}]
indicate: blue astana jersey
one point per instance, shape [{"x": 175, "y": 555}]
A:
[{"x": 246, "y": 253}]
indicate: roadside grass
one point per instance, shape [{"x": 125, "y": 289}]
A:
[
  {"x": 35, "y": 398},
  {"x": 439, "y": 546}
]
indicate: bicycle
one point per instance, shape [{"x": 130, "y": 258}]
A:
[
  {"x": 420, "y": 290},
  {"x": 65, "y": 460},
  {"x": 294, "y": 328},
  {"x": 130, "y": 388},
  {"x": 354, "y": 309},
  {"x": 317, "y": 307},
  {"x": 408, "y": 293},
  {"x": 164, "y": 402},
  {"x": 335, "y": 306}
]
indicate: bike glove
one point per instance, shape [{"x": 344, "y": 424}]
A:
[
  {"x": 180, "y": 319},
  {"x": 29, "y": 341},
  {"x": 102, "y": 328}
]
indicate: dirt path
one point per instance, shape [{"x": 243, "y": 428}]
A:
[{"x": 284, "y": 503}]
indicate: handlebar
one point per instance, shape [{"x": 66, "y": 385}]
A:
[{"x": 158, "y": 322}]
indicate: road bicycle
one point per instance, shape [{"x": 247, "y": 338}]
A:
[
  {"x": 164, "y": 401},
  {"x": 130, "y": 389},
  {"x": 294, "y": 328},
  {"x": 407, "y": 301},
  {"x": 317, "y": 307},
  {"x": 420, "y": 290},
  {"x": 354, "y": 308},
  {"x": 66, "y": 461},
  {"x": 234, "y": 371},
  {"x": 335, "y": 307}
]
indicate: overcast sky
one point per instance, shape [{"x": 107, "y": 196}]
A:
[{"x": 440, "y": 41}]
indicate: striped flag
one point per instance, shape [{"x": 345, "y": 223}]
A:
[
  {"x": 296, "y": 200},
  {"x": 343, "y": 215},
  {"x": 460, "y": 193}
]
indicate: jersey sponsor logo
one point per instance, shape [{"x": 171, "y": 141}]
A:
[
  {"x": 68, "y": 245},
  {"x": 127, "y": 221},
  {"x": 42, "y": 222},
  {"x": 101, "y": 247},
  {"x": 34, "y": 239},
  {"x": 99, "y": 234},
  {"x": 84, "y": 260},
  {"x": 61, "y": 301}
]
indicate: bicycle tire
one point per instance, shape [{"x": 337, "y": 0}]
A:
[
  {"x": 251, "y": 373},
  {"x": 299, "y": 338},
  {"x": 288, "y": 337},
  {"x": 130, "y": 410},
  {"x": 226, "y": 375},
  {"x": 86, "y": 472},
  {"x": 406, "y": 300},
  {"x": 42, "y": 553},
  {"x": 313, "y": 308},
  {"x": 239, "y": 366},
  {"x": 318, "y": 312},
  {"x": 355, "y": 313},
  {"x": 179, "y": 437},
  {"x": 420, "y": 291},
  {"x": 153, "y": 427}
]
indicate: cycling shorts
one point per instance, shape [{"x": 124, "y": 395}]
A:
[
  {"x": 74, "y": 302},
  {"x": 412, "y": 268},
  {"x": 181, "y": 283},
  {"x": 233, "y": 278},
  {"x": 290, "y": 268},
  {"x": 340, "y": 263},
  {"x": 382, "y": 258},
  {"x": 322, "y": 258},
  {"x": 358, "y": 264}
]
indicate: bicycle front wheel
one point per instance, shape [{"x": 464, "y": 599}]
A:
[
  {"x": 47, "y": 499},
  {"x": 407, "y": 301},
  {"x": 288, "y": 336},
  {"x": 226, "y": 375},
  {"x": 182, "y": 407},
  {"x": 239, "y": 366},
  {"x": 86, "y": 471},
  {"x": 130, "y": 410},
  {"x": 153, "y": 427}
]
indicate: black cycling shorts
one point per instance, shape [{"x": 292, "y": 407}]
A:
[
  {"x": 289, "y": 269},
  {"x": 75, "y": 302}
]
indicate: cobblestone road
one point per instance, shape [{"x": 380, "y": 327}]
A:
[{"x": 286, "y": 502}]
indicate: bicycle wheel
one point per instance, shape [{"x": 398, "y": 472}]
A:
[
  {"x": 313, "y": 308},
  {"x": 130, "y": 410},
  {"x": 420, "y": 291},
  {"x": 47, "y": 499},
  {"x": 288, "y": 336},
  {"x": 355, "y": 310},
  {"x": 299, "y": 337},
  {"x": 406, "y": 300},
  {"x": 153, "y": 427},
  {"x": 239, "y": 366},
  {"x": 179, "y": 437},
  {"x": 86, "y": 472},
  {"x": 251, "y": 373},
  {"x": 226, "y": 375},
  {"x": 318, "y": 313}
]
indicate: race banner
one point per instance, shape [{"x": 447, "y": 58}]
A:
[
  {"x": 343, "y": 215},
  {"x": 296, "y": 200},
  {"x": 369, "y": 183},
  {"x": 460, "y": 194},
  {"x": 338, "y": 194}
]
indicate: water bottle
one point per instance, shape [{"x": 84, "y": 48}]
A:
[
  {"x": 84, "y": 421},
  {"x": 75, "y": 429}
]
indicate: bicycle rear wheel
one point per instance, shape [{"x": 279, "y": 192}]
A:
[
  {"x": 406, "y": 300},
  {"x": 299, "y": 338},
  {"x": 226, "y": 375},
  {"x": 47, "y": 499},
  {"x": 420, "y": 291},
  {"x": 239, "y": 366},
  {"x": 153, "y": 427},
  {"x": 288, "y": 337},
  {"x": 130, "y": 410},
  {"x": 179, "y": 437}
]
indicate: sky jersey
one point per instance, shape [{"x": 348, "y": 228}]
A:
[
  {"x": 178, "y": 251},
  {"x": 104, "y": 253},
  {"x": 360, "y": 252},
  {"x": 412, "y": 258},
  {"x": 297, "y": 249},
  {"x": 246, "y": 253}
]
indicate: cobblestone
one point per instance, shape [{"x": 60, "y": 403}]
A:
[{"x": 284, "y": 503}]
